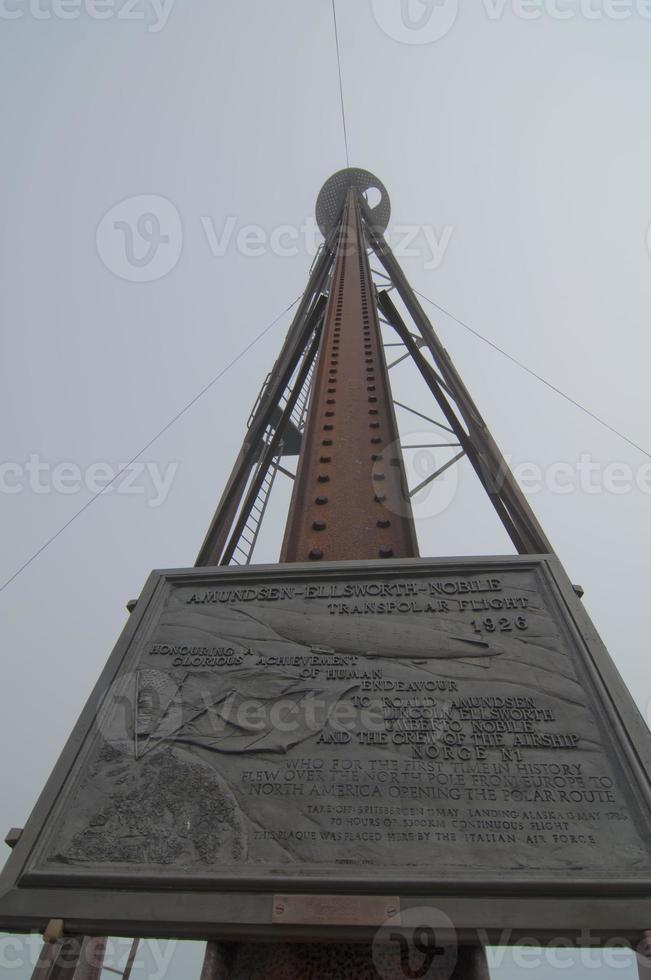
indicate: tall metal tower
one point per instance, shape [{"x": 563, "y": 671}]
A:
[
  {"x": 352, "y": 418},
  {"x": 356, "y": 762}
]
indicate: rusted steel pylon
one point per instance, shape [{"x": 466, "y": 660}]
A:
[
  {"x": 347, "y": 503},
  {"x": 350, "y": 497}
]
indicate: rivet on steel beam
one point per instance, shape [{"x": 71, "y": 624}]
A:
[
  {"x": 386, "y": 552},
  {"x": 380, "y": 498},
  {"x": 326, "y": 442},
  {"x": 321, "y": 501},
  {"x": 323, "y": 478},
  {"x": 318, "y": 525},
  {"x": 378, "y": 476},
  {"x": 384, "y": 523},
  {"x": 315, "y": 554},
  {"x": 325, "y": 459}
]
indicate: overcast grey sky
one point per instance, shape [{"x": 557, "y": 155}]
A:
[{"x": 521, "y": 148}]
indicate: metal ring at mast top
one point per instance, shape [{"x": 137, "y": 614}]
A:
[{"x": 332, "y": 197}]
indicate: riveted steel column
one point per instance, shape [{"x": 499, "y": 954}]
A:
[{"x": 350, "y": 498}]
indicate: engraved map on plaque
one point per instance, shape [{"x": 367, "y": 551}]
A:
[{"x": 426, "y": 722}]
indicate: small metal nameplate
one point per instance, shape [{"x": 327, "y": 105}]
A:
[{"x": 335, "y": 910}]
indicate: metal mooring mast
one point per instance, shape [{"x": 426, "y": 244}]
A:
[
  {"x": 352, "y": 418},
  {"x": 357, "y": 762}
]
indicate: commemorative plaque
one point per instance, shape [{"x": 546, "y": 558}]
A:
[{"x": 436, "y": 731}]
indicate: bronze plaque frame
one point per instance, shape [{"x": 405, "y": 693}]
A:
[{"x": 63, "y": 866}]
